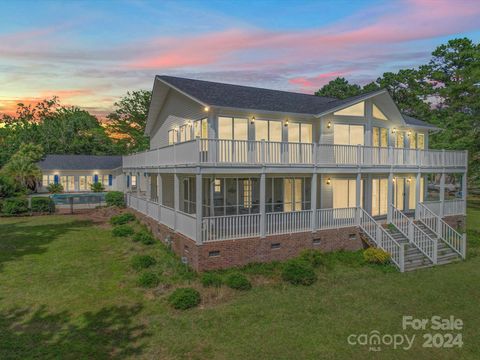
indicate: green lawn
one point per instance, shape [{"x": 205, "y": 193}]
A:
[{"x": 67, "y": 290}]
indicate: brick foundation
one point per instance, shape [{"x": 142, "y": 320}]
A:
[{"x": 230, "y": 253}]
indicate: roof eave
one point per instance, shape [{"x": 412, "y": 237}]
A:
[{"x": 350, "y": 103}]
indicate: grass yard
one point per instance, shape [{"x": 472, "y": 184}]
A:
[{"x": 67, "y": 290}]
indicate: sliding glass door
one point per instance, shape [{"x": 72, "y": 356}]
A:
[{"x": 232, "y": 129}]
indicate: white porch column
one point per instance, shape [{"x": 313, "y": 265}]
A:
[
  {"x": 176, "y": 197},
  {"x": 358, "y": 197},
  {"x": 389, "y": 197},
  {"x": 464, "y": 192},
  {"x": 417, "y": 193},
  {"x": 442, "y": 194},
  {"x": 139, "y": 182},
  {"x": 263, "y": 215},
  {"x": 198, "y": 207},
  {"x": 148, "y": 181},
  {"x": 313, "y": 201}
]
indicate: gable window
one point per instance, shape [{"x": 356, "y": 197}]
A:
[
  {"x": 300, "y": 132},
  {"x": 354, "y": 110},
  {"x": 348, "y": 134},
  {"x": 268, "y": 130},
  {"x": 379, "y": 137},
  {"x": 172, "y": 136},
  {"x": 378, "y": 114}
]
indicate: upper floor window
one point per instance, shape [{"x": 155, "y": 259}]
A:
[
  {"x": 354, "y": 110},
  {"x": 344, "y": 134},
  {"x": 300, "y": 132},
  {"x": 230, "y": 128},
  {"x": 200, "y": 129},
  {"x": 185, "y": 132},
  {"x": 172, "y": 136},
  {"x": 378, "y": 114},
  {"x": 379, "y": 137},
  {"x": 420, "y": 141},
  {"x": 268, "y": 130}
]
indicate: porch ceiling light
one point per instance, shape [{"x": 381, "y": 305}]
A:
[{"x": 329, "y": 181}]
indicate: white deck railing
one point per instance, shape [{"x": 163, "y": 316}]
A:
[
  {"x": 217, "y": 228},
  {"x": 247, "y": 152},
  {"x": 450, "y": 207},
  {"x": 288, "y": 222},
  {"x": 427, "y": 245},
  {"x": 444, "y": 231},
  {"x": 336, "y": 218},
  {"x": 382, "y": 238}
]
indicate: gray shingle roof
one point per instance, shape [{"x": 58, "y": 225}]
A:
[
  {"x": 80, "y": 162},
  {"x": 246, "y": 97},
  {"x": 416, "y": 122}
]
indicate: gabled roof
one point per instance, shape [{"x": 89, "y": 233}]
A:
[
  {"x": 420, "y": 123},
  {"x": 80, "y": 162}
]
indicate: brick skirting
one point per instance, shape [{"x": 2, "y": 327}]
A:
[{"x": 230, "y": 253}]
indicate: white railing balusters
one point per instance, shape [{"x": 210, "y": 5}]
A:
[{"x": 228, "y": 227}]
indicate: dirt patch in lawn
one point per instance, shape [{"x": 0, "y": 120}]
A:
[{"x": 100, "y": 216}]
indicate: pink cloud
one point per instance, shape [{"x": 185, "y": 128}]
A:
[{"x": 310, "y": 84}]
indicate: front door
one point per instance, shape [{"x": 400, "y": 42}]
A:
[{"x": 399, "y": 201}]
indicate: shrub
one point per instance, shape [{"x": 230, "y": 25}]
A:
[
  {"x": 211, "y": 279},
  {"x": 7, "y": 186},
  {"x": 184, "y": 298},
  {"x": 122, "y": 219},
  {"x": 122, "y": 231},
  {"x": 142, "y": 261},
  {"x": 14, "y": 206},
  {"x": 55, "y": 188},
  {"x": 376, "y": 256},
  {"x": 148, "y": 280},
  {"x": 313, "y": 257},
  {"x": 42, "y": 204},
  {"x": 97, "y": 187},
  {"x": 144, "y": 237},
  {"x": 299, "y": 272},
  {"x": 115, "y": 198},
  {"x": 238, "y": 281}
]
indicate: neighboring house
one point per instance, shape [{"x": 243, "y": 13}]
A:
[
  {"x": 77, "y": 172},
  {"x": 239, "y": 174}
]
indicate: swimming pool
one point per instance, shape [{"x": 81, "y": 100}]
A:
[{"x": 78, "y": 198}]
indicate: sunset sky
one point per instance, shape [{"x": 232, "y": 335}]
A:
[{"x": 90, "y": 53}]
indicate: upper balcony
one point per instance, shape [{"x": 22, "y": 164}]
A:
[{"x": 263, "y": 153}]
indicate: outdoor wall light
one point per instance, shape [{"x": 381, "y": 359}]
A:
[
  {"x": 409, "y": 179},
  {"x": 394, "y": 130},
  {"x": 329, "y": 125},
  {"x": 409, "y": 133},
  {"x": 206, "y": 108},
  {"x": 253, "y": 120},
  {"x": 286, "y": 122},
  {"x": 393, "y": 180},
  {"x": 329, "y": 181}
]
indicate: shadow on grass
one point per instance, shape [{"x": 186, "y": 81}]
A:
[
  {"x": 19, "y": 239},
  {"x": 108, "y": 333}
]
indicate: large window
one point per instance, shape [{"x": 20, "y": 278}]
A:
[
  {"x": 200, "y": 129},
  {"x": 344, "y": 134},
  {"x": 288, "y": 194},
  {"x": 354, "y": 110},
  {"x": 84, "y": 182},
  {"x": 379, "y": 196},
  {"x": 421, "y": 141},
  {"x": 344, "y": 193},
  {"x": 68, "y": 182},
  {"x": 268, "y": 130},
  {"x": 300, "y": 133},
  {"x": 189, "y": 196},
  {"x": 47, "y": 180},
  {"x": 379, "y": 136},
  {"x": 232, "y": 196},
  {"x": 400, "y": 139},
  {"x": 172, "y": 136},
  {"x": 232, "y": 128},
  {"x": 377, "y": 113},
  {"x": 413, "y": 140},
  {"x": 185, "y": 132}
]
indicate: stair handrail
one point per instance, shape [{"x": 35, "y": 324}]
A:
[
  {"x": 445, "y": 232},
  {"x": 382, "y": 238},
  {"x": 419, "y": 238}
]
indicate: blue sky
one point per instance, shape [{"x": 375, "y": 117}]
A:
[{"x": 91, "y": 52}]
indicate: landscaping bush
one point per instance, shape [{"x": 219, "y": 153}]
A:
[
  {"x": 115, "y": 198},
  {"x": 14, "y": 206},
  {"x": 55, "y": 188},
  {"x": 122, "y": 231},
  {"x": 97, "y": 187},
  {"x": 376, "y": 256},
  {"x": 142, "y": 261},
  {"x": 238, "y": 281},
  {"x": 122, "y": 219},
  {"x": 144, "y": 237},
  {"x": 211, "y": 279},
  {"x": 7, "y": 186},
  {"x": 42, "y": 204},
  {"x": 313, "y": 257},
  {"x": 148, "y": 280},
  {"x": 299, "y": 272},
  {"x": 184, "y": 298}
]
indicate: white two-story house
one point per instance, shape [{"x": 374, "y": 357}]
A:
[{"x": 240, "y": 174}]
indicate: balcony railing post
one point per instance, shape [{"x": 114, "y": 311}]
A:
[
  {"x": 262, "y": 152},
  {"x": 313, "y": 201},
  {"x": 263, "y": 215}
]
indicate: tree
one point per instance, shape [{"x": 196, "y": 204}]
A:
[
  {"x": 129, "y": 119},
  {"x": 339, "y": 89},
  {"x": 22, "y": 167}
]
